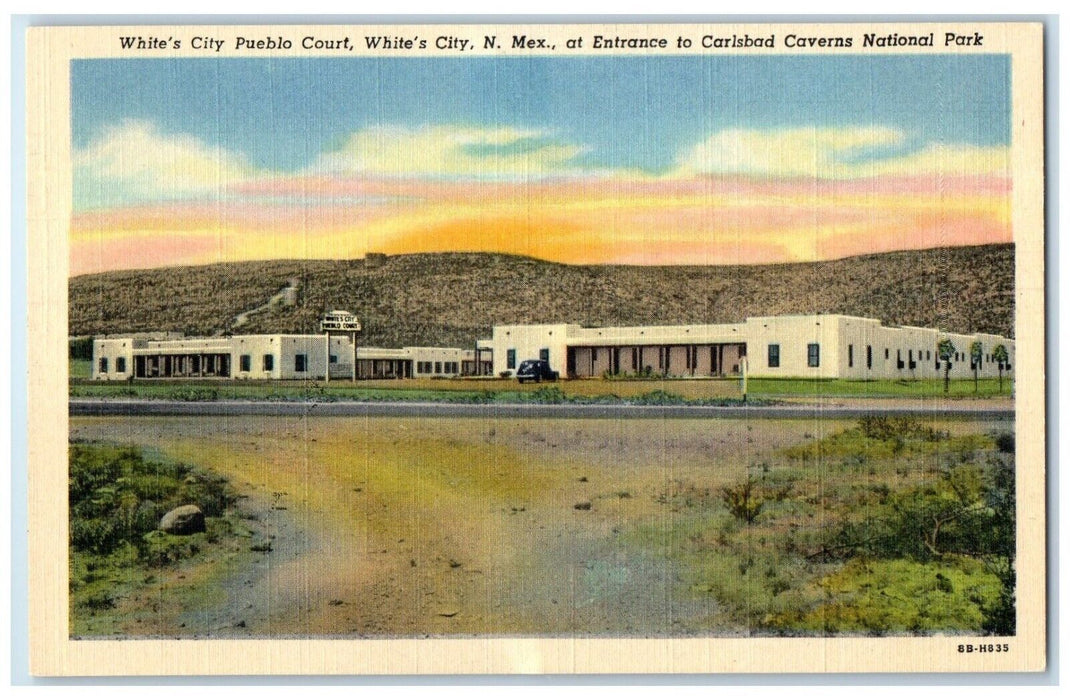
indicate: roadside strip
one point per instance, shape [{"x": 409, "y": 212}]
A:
[{"x": 127, "y": 407}]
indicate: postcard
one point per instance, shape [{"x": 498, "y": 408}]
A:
[{"x": 517, "y": 348}]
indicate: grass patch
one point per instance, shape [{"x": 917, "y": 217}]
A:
[
  {"x": 466, "y": 392},
  {"x": 880, "y": 388},
  {"x": 886, "y": 527},
  {"x": 899, "y": 596},
  {"x": 639, "y": 391},
  {"x": 79, "y": 369},
  {"x": 116, "y": 499}
]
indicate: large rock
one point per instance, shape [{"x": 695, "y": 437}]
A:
[{"x": 184, "y": 520}]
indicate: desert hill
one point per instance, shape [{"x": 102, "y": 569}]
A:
[{"x": 455, "y": 298}]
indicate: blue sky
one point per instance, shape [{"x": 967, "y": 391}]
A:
[{"x": 628, "y": 112}]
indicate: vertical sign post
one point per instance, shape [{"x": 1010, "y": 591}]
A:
[{"x": 340, "y": 322}]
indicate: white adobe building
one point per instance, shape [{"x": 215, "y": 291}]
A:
[
  {"x": 271, "y": 357},
  {"x": 818, "y": 346},
  {"x": 814, "y": 346}
]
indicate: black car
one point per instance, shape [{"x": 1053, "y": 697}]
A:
[{"x": 535, "y": 371}]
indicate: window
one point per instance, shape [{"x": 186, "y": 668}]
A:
[
  {"x": 774, "y": 354},
  {"x": 886, "y": 353},
  {"x": 103, "y": 365},
  {"x": 635, "y": 359},
  {"x": 510, "y": 358},
  {"x": 334, "y": 359},
  {"x": 245, "y": 363},
  {"x": 544, "y": 354},
  {"x": 813, "y": 355},
  {"x": 451, "y": 368},
  {"x": 301, "y": 362},
  {"x": 120, "y": 364},
  {"x": 869, "y": 357},
  {"x": 850, "y": 355},
  {"x": 438, "y": 368},
  {"x": 269, "y": 363}
]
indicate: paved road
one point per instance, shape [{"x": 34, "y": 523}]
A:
[{"x": 131, "y": 407}]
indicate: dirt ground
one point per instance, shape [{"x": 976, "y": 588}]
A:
[{"x": 412, "y": 527}]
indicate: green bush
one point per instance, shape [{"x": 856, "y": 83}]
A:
[
  {"x": 968, "y": 510},
  {"x": 95, "y": 535},
  {"x": 884, "y": 427},
  {"x": 743, "y": 501},
  {"x": 547, "y": 394},
  {"x": 194, "y": 393},
  {"x": 117, "y": 497},
  {"x": 1005, "y": 443},
  {"x": 658, "y": 398}
]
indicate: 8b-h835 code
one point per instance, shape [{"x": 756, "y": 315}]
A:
[{"x": 983, "y": 648}]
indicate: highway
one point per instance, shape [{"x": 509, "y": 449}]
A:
[{"x": 135, "y": 407}]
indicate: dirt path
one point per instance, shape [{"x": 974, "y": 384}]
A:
[
  {"x": 283, "y": 296},
  {"x": 439, "y": 526}
]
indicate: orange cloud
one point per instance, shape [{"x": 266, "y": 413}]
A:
[{"x": 708, "y": 219}]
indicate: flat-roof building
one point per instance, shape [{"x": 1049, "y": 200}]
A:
[
  {"x": 814, "y": 346},
  {"x": 272, "y": 357}
]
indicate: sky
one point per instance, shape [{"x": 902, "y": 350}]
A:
[{"x": 634, "y": 160}]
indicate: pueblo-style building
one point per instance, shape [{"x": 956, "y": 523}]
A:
[
  {"x": 812, "y": 346},
  {"x": 273, "y": 357},
  {"x": 815, "y": 346}
]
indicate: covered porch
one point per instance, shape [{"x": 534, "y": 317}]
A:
[
  {"x": 384, "y": 369},
  {"x": 672, "y": 360},
  {"x": 205, "y": 364}
]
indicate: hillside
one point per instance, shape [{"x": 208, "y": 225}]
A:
[{"x": 455, "y": 298}]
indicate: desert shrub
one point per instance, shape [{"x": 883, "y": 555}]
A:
[
  {"x": 546, "y": 394},
  {"x": 1000, "y": 615},
  {"x": 658, "y": 398},
  {"x": 966, "y": 510},
  {"x": 1005, "y": 443},
  {"x": 159, "y": 548},
  {"x": 885, "y": 427},
  {"x": 101, "y": 600},
  {"x": 194, "y": 393},
  {"x": 743, "y": 501},
  {"x": 93, "y": 467},
  {"x": 96, "y": 535}
]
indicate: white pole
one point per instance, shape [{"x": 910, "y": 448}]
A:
[{"x": 327, "y": 356}]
